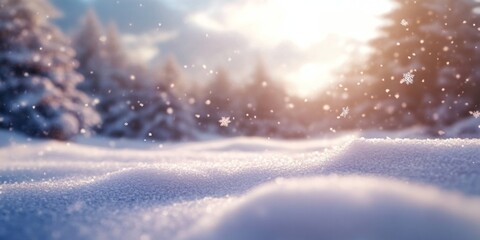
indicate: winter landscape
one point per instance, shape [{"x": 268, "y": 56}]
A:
[{"x": 162, "y": 119}]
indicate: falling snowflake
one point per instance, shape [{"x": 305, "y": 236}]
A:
[
  {"x": 224, "y": 121},
  {"x": 407, "y": 78},
  {"x": 404, "y": 22},
  {"x": 475, "y": 114},
  {"x": 344, "y": 113}
]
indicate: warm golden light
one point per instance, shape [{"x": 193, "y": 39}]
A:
[
  {"x": 315, "y": 27},
  {"x": 303, "y": 22}
]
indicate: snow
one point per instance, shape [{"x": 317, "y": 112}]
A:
[
  {"x": 344, "y": 208},
  {"x": 344, "y": 113},
  {"x": 475, "y": 114},
  {"x": 224, "y": 121},
  {"x": 467, "y": 128},
  {"x": 407, "y": 78},
  {"x": 242, "y": 188}
]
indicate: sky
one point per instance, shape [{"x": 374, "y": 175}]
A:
[{"x": 303, "y": 42}]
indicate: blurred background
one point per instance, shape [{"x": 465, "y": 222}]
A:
[{"x": 172, "y": 69}]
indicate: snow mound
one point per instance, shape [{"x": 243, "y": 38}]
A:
[
  {"x": 467, "y": 128},
  {"x": 253, "y": 144},
  {"x": 452, "y": 164},
  {"x": 102, "y": 190},
  {"x": 344, "y": 208}
]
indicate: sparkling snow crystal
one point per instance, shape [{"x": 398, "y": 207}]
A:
[
  {"x": 404, "y": 22},
  {"x": 344, "y": 113},
  {"x": 407, "y": 78},
  {"x": 475, "y": 114},
  {"x": 224, "y": 121}
]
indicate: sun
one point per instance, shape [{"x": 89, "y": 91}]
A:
[
  {"x": 302, "y": 22},
  {"x": 306, "y": 24}
]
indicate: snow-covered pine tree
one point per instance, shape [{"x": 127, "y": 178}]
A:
[
  {"x": 217, "y": 102},
  {"x": 156, "y": 115},
  {"x": 264, "y": 102},
  {"x": 103, "y": 64},
  {"x": 460, "y": 78},
  {"x": 88, "y": 43},
  {"x": 124, "y": 72},
  {"x": 130, "y": 104},
  {"x": 436, "y": 41},
  {"x": 141, "y": 108},
  {"x": 171, "y": 75},
  {"x": 38, "y": 94},
  {"x": 102, "y": 58}
]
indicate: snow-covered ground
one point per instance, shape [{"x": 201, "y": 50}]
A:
[{"x": 244, "y": 188}]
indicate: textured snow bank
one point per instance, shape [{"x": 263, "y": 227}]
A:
[
  {"x": 469, "y": 127},
  {"x": 56, "y": 190},
  {"x": 344, "y": 208},
  {"x": 452, "y": 164}
]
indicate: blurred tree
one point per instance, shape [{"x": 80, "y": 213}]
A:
[
  {"x": 88, "y": 43},
  {"x": 171, "y": 75},
  {"x": 219, "y": 100},
  {"x": 103, "y": 64},
  {"x": 351, "y": 89},
  {"x": 102, "y": 58},
  {"x": 118, "y": 67},
  {"x": 264, "y": 104},
  {"x": 38, "y": 94},
  {"x": 131, "y": 105},
  {"x": 436, "y": 41}
]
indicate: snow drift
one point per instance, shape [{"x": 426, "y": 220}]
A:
[
  {"x": 349, "y": 188},
  {"x": 345, "y": 208}
]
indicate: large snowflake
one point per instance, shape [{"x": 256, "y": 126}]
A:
[
  {"x": 344, "y": 113},
  {"x": 475, "y": 114},
  {"x": 407, "y": 78},
  {"x": 224, "y": 121}
]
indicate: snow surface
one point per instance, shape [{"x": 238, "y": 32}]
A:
[{"x": 244, "y": 188}]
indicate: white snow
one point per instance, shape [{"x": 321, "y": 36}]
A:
[
  {"x": 344, "y": 208},
  {"x": 244, "y": 188},
  {"x": 407, "y": 78}
]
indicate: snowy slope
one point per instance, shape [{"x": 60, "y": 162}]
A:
[{"x": 347, "y": 188}]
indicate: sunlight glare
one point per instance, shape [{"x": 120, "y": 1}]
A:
[
  {"x": 306, "y": 24},
  {"x": 302, "y": 22},
  {"x": 307, "y": 75}
]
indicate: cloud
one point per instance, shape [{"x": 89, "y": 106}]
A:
[
  {"x": 304, "y": 41},
  {"x": 130, "y": 16},
  {"x": 144, "y": 47},
  {"x": 303, "y": 22},
  {"x": 301, "y": 41},
  {"x": 138, "y": 16}
]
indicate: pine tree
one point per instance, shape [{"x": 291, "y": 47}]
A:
[
  {"x": 437, "y": 43},
  {"x": 38, "y": 94},
  {"x": 101, "y": 62},
  {"x": 171, "y": 75},
  {"x": 217, "y": 102},
  {"x": 102, "y": 59},
  {"x": 118, "y": 67},
  {"x": 264, "y": 103},
  {"x": 88, "y": 43},
  {"x": 130, "y": 103}
]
